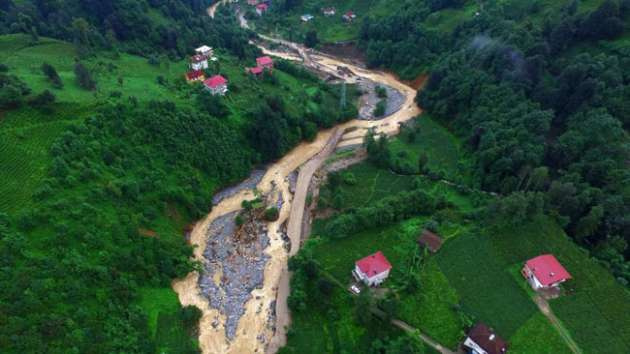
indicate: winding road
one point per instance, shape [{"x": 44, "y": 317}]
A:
[{"x": 254, "y": 334}]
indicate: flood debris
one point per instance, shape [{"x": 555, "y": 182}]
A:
[{"x": 233, "y": 266}]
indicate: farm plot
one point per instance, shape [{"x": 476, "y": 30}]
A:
[
  {"x": 487, "y": 290},
  {"x": 432, "y": 308},
  {"x": 596, "y": 308}
]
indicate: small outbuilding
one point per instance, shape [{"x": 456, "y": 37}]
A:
[
  {"x": 306, "y": 17},
  {"x": 265, "y": 62},
  {"x": 430, "y": 240},
  {"x": 195, "y": 75},
  {"x": 349, "y": 16},
  {"x": 544, "y": 272},
  {"x": 372, "y": 270},
  {"x": 482, "y": 339},
  {"x": 256, "y": 71}
]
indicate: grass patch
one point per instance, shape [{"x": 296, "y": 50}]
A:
[
  {"x": 155, "y": 301},
  {"x": 487, "y": 290},
  {"x": 537, "y": 336},
  {"x": 595, "y": 310},
  {"x": 444, "y": 151},
  {"x": 432, "y": 308}
]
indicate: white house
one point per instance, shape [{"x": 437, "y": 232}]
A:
[
  {"x": 205, "y": 51},
  {"x": 306, "y": 17},
  {"x": 198, "y": 62},
  {"x": 481, "y": 339},
  {"x": 372, "y": 270},
  {"x": 329, "y": 11},
  {"x": 544, "y": 272}
]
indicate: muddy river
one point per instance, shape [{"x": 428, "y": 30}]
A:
[{"x": 254, "y": 332}]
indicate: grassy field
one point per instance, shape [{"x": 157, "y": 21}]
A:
[
  {"x": 595, "y": 310},
  {"x": 537, "y": 336},
  {"x": 432, "y": 309},
  {"x": 487, "y": 290},
  {"x": 444, "y": 151}
]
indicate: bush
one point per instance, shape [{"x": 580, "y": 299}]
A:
[
  {"x": 84, "y": 78},
  {"x": 381, "y": 92},
  {"x": 52, "y": 75},
  {"x": 379, "y": 110},
  {"x": 272, "y": 214},
  {"x": 43, "y": 100}
]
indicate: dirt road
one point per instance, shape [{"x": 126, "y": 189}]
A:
[
  {"x": 254, "y": 333},
  {"x": 544, "y": 307}
]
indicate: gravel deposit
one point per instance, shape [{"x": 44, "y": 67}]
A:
[
  {"x": 250, "y": 183},
  {"x": 395, "y": 100},
  {"x": 240, "y": 266}
]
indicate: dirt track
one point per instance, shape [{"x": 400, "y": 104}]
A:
[{"x": 253, "y": 333}]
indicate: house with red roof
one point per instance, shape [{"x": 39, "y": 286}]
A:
[
  {"x": 261, "y": 8},
  {"x": 481, "y": 339},
  {"x": 372, "y": 270},
  {"x": 544, "y": 272},
  {"x": 198, "y": 62},
  {"x": 349, "y": 16},
  {"x": 217, "y": 85},
  {"x": 195, "y": 75},
  {"x": 256, "y": 71},
  {"x": 265, "y": 62}
]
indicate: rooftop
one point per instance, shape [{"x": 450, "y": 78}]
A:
[
  {"x": 430, "y": 240},
  {"x": 489, "y": 341},
  {"x": 374, "y": 264},
  {"x": 547, "y": 269}
]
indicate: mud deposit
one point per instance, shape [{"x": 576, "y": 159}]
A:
[{"x": 231, "y": 270}]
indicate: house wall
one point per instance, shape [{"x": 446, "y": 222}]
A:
[
  {"x": 472, "y": 345},
  {"x": 371, "y": 281},
  {"x": 199, "y": 66}
]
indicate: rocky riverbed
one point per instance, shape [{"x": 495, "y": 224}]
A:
[
  {"x": 250, "y": 183},
  {"x": 232, "y": 269},
  {"x": 370, "y": 99}
]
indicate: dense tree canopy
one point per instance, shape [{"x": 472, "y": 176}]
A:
[{"x": 541, "y": 118}]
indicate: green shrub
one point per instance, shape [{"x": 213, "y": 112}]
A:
[{"x": 271, "y": 214}]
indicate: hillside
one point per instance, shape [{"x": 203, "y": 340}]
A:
[{"x": 102, "y": 182}]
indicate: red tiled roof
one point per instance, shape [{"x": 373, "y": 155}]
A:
[
  {"x": 195, "y": 74},
  {"x": 489, "y": 341},
  {"x": 374, "y": 264},
  {"x": 262, "y": 61},
  {"x": 430, "y": 240},
  {"x": 262, "y": 7},
  {"x": 257, "y": 70},
  {"x": 215, "y": 81},
  {"x": 547, "y": 269}
]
